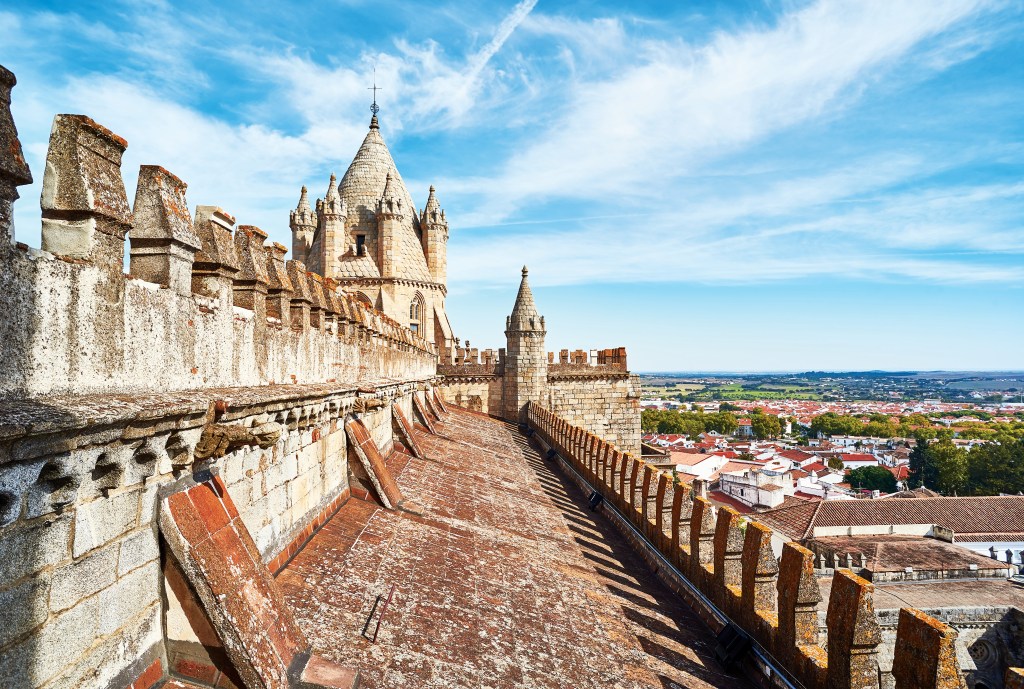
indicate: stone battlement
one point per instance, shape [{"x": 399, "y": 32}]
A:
[
  {"x": 205, "y": 304},
  {"x": 726, "y": 565},
  {"x": 582, "y": 360}
]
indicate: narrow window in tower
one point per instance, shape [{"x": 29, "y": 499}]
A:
[
  {"x": 360, "y": 245},
  {"x": 415, "y": 311}
]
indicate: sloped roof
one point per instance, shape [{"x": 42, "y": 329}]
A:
[
  {"x": 361, "y": 188},
  {"x": 970, "y": 517}
]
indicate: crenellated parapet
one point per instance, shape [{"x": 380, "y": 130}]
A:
[
  {"x": 592, "y": 362},
  {"x": 206, "y": 303},
  {"x": 724, "y": 564}
]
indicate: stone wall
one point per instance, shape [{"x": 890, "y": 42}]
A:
[
  {"x": 605, "y": 402},
  {"x": 214, "y": 356},
  {"x": 477, "y": 393},
  {"x": 80, "y": 574},
  {"x": 725, "y": 566},
  {"x": 607, "y": 405}
]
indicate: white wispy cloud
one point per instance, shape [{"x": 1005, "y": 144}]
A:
[
  {"x": 643, "y": 131},
  {"x": 634, "y": 134}
]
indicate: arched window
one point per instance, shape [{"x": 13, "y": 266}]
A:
[{"x": 415, "y": 313}]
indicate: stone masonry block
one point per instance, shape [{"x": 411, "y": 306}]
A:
[
  {"x": 102, "y": 664},
  {"x": 81, "y": 579},
  {"x": 58, "y": 643},
  {"x": 853, "y": 633},
  {"x": 163, "y": 241},
  {"x": 137, "y": 549},
  {"x": 84, "y": 198},
  {"x": 925, "y": 653},
  {"x": 104, "y": 519},
  {"x": 128, "y": 597},
  {"x": 23, "y": 607},
  {"x": 31, "y": 548}
]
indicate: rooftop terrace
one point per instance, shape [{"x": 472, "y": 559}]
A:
[{"x": 505, "y": 579}]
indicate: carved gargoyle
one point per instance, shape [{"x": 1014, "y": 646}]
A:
[
  {"x": 365, "y": 404},
  {"x": 220, "y": 439}
]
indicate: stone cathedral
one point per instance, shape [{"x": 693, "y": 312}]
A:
[
  {"x": 367, "y": 234},
  {"x": 225, "y": 469}
]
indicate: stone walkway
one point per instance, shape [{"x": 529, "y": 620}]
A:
[{"x": 505, "y": 580}]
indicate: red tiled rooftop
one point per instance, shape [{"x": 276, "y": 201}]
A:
[
  {"x": 974, "y": 516},
  {"x": 504, "y": 580}
]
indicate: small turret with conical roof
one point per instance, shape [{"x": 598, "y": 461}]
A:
[
  {"x": 526, "y": 360},
  {"x": 332, "y": 203},
  {"x": 435, "y": 238},
  {"x": 390, "y": 213},
  {"x": 390, "y": 204},
  {"x": 331, "y": 213},
  {"x": 302, "y": 222}
]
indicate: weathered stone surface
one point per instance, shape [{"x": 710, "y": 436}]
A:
[
  {"x": 82, "y": 578},
  {"x": 14, "y": 171},
  {"x": 31, "y": 547},
  {"x": 219, "y": 558},
  {"x": 137, "y": 549},
  {"x": 104, "y": 519},
  {"x": 925, "y": 657},
  {"x": 38, "y": 658},
  {"x": 373, "y": 463},
  {"x": 219, "y": 439},
  {"x": 163, "y": 241},
  {"x": 83, "y": 192},
  {"x": 760, "y": 575},
  {"x": 853, "y": 633},
  {"x": 728, "y": 554},
  {"x": 22, "y": 608}
]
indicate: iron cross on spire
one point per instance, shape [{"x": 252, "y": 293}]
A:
[{"x": 374, "y": 108}]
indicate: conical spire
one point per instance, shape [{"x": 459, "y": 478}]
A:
[
  {"x": 303, "y": 214},
  {"x": 432, "y": 212},
  {"x": 303, "y": 201},
  {"x": 332, "y": 201},
  {"x": 524, "y": 313},
  {"x": 332, "y": 189},
  {"x": 390, "y": 198}
]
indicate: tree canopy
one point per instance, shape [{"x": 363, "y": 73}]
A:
[{"x": 872, "y": 478}]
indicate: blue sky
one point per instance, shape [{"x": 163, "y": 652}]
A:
[{"x": 716, "y": 186}]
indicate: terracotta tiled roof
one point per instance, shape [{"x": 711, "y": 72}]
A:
[
  {"x": 975, "y": 516},
  {"x": 796, "y": 455},
  {"x": 901, "y": 472},
  {"x": 793, "y": 519},
  {"x": 720, "y": 498},
  {"x": 855, "y": 457}
]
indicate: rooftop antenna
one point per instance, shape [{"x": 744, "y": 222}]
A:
[{"x": 374, "y": 108}]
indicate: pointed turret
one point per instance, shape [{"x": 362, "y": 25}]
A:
[
  {"x": 526, "y": 361},
  {"x": 390, "y": 204},
  {"x": 435, "y": 238},
  {"x": 524, "y": 313},
  {"x": 303, "y": 223},
  {"x": 331, "y": 215},
  {"x": 389, "y": 228},
  {"x": 333, "y": 205}
]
